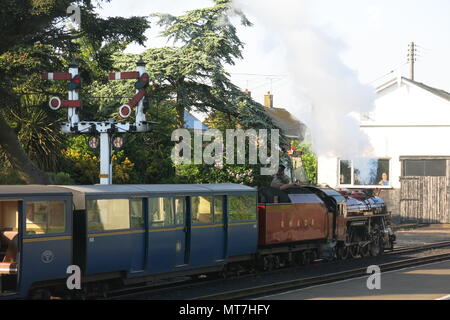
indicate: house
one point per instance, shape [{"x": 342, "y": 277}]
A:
[
  {"x": 191, "y": 122},
  {"x": 410, "y": 169},
  {"x": 292, "y": 129}
]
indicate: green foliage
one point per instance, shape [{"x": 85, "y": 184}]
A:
[
  {"x": 242, "y": 208},
  {"x": 309, "y": 160},
  {"x": 60, "y": 178},
  {"x": 10, "y": 176},
  {"x": 190, "y": 76},
  {"x": 34, "y": 40}
]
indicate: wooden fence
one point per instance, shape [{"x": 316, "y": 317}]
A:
[{"x": 425, "y": 199}]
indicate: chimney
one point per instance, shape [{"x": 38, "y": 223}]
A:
[
  {"x": 247, "y": 92},
  {"x": 411, "y": 59},
  {"x": 268, "y": 100}
]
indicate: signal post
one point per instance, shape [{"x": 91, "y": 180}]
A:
[{"x": 105, "y": 129}]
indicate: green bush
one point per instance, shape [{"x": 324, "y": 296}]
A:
[{"x": 60, "y": 178}]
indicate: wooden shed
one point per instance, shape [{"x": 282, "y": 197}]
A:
[{"x": 424, "y": 191}]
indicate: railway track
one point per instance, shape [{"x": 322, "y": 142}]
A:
[
  {"x": 328, "y": 278},
  {"x": 130, "y": 292},
  {"x": 406, "y": 249}
]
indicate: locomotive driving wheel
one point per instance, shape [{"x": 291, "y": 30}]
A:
[
  {"x": 343, "y": 252},
  {"x": 376, "y": 247},
  {"x": 354, "y": 251},
  {"x": 364, "y": 250}
]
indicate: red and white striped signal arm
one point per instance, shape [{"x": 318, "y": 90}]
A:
[
  {"x": 123, "y": 75},
  {"x": 57, "y": 76},
  {"x": 143, "y": 80},
  {"x": 55, "y": 103}
]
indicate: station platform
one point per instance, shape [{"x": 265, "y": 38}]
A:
[
  {"x": 428, "y": 282},
  {"x": 414, "y": 235}
]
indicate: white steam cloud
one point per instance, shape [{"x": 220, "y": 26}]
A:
[{"x": 326, "y": 92}]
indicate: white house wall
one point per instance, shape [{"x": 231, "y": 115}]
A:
[{"x": 406, "y": 121}]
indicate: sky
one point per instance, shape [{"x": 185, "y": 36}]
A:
[{"x": 373, "y": 37}]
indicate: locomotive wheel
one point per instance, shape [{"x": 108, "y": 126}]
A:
[
  {"x": 276, "y": 262},
  {"x": 365, "y": 251},
  {"x": 343, "y": 252},
  {"x": 308, "y": 257},
  {"x": 354, "y": 251},
  {"x": 375, "y": 247},
  {"x": 268, "y": 263},
  {"x": 299, "y": 259},
  {"x": 313, "y": 256}
]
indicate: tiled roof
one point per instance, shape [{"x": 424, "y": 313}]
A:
[{"x": 290, "y": 126}]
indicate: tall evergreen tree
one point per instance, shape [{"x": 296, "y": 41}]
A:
[{"x": 30, "y": 34}]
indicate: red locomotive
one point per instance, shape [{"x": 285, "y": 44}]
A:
[{"x": 300, "y": 224}]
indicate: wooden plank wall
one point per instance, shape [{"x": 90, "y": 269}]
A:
[
  {"x": 426, "y": 199},
  {"x": 434, "y": 199},
  {"x": 410, "y": 200}
]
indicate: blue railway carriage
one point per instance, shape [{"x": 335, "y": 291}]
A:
[
  {"x": 120, "y": 234},
  {"x": 152, "y": 231},
  {"x": 35, "y": 237}
]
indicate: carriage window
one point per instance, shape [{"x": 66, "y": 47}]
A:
[
  {"x": 202, "y": 210},
  {"x": 45, "y": 217},
  {"x": 9, "y": 215},
  {"x": 180, "y": 209},
  {"x": 108, "y": 214},
  {"x": 218, "y": 209},
  {"x": 242, "y": 208},
  {"x": 136, "y": 213},
  {"x": 160, "y": 212}
]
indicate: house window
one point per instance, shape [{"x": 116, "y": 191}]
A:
[
  {"x": 424, "y": 168},
  {"x": 364, "y": 172}
]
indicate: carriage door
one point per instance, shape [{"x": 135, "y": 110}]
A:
[
  {"x": 181, "y": 232},
  {"x": 138, "y": 234},
  {"x": 220, "y": 224}
]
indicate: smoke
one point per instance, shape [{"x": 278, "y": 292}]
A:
[{"x": 326, "y": 93}]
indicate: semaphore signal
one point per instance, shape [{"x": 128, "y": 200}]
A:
[
  {"x": 106, "y": 129},
  {"x": 143, "y": 81}
]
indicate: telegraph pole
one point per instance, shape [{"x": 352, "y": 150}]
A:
[{"x": 411, "y": 59}]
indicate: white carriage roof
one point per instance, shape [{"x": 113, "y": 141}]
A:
[
  {"x": 158, "y": 188},
  {"x": 79, "y": 192},
  {"x": 31, "y": 190}
]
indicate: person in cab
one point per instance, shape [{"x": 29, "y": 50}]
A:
[{"x": 282, "y": 181}]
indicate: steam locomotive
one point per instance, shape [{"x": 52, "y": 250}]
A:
[{"x": 118, "y": 235}]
